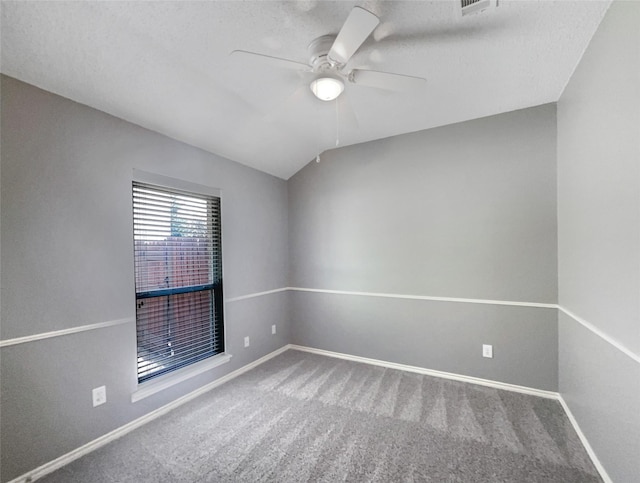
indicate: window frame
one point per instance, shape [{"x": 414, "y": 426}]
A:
[{"x": 168, "y": 378}]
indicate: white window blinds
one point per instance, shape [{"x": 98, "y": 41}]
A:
[{"x": 178, "y": 278}]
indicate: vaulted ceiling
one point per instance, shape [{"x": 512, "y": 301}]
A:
[{"x": 166, "y": 66}]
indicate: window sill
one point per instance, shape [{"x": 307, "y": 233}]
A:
[{"x": 147, "y": 389}]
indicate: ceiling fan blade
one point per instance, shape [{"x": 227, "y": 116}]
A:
[
  {"x": 358, "y": 26},
  {"x": 270, "y": 60},
  {"x": 385, "y": 80}
]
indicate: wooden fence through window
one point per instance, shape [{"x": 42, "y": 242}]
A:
[{"x": 172, "y": 325}]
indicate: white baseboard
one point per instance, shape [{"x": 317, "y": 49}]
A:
[
  {"x": 585, "y": 442},
  {"x": 473, "y": 380},
  {"x": 430, "y": 372},
  {"x": 65, "y": 459},
  {"x": 121, "y": 431}
]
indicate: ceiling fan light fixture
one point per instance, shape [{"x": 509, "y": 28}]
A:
[{"x": 327, "y": 88}]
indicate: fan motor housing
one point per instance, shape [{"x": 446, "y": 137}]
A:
[{"x": 318, "y": 52}]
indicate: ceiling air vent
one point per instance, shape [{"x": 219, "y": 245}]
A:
[{"x": 469, "y": 7}]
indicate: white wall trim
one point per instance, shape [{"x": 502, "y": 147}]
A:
[
  {"x": 601, "y": 334},
  {"x": 583, "y": 322},
  {"x": 111, "y": 323},
  {"x": 59, "y": 333},
  {"x": 592, "y": 454},
  {"x": 65, "y": 459},
  {"x": 427, "y": 297},
  {"x": 430, "y": 372},
  {"x": 256, "y": 294}
]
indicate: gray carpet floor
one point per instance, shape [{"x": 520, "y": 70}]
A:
[{"x": 304, "y": 417}]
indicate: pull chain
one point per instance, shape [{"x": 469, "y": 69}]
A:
[
  {"x": 337, "y": 125},
  {"x": 317, "y": 137}
]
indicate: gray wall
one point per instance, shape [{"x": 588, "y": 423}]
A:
[
  {"x": 67, "y": 261},
  {"x": 599, "y": 240},
  {"x": 465, "y": 211},
  {"x": 601, "y": 386}
]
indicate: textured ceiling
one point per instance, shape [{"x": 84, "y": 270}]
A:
[{"x": 166, "y": 66}]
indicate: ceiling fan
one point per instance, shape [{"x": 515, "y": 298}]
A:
[{"x": 329, "y": 56}]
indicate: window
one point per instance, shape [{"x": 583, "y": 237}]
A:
[{"x": 178, "y": 278}]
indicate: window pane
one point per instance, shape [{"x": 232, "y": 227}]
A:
[
  {"x": 175, "y": 330},
  {"x": 173, "y": 262},
  {"x": 178, "y": 277}
]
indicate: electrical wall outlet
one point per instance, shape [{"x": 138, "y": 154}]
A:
[
  {"x": 273, "y": 329},
  {"x": 246, "y": 341},
  {"x": 99, "y": 396},
  {"x": 487, "y": 351}
]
